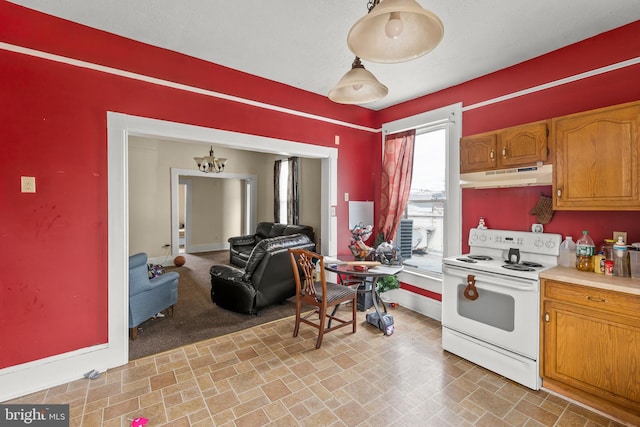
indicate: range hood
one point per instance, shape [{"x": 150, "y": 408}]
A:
[{"x": 516, "y": 177}]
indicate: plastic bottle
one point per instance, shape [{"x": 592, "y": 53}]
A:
[
  {"x": 621, "y": 259},
  {"x": 598, "y": 262},
  {"x": 567, "y": 252},
  {"x": 585, "y": 249}
]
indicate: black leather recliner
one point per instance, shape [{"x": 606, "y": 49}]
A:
[
  {"x": 266, "y": 279},
  {"x": 240, "y": 247}
]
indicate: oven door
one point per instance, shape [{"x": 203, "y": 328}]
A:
[{"x": 505, "y": 312}]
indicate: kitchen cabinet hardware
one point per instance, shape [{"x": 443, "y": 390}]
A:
[{"x": 594, "y": 299}]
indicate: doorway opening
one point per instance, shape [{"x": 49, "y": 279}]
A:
[
  {"x": 207, "y": 209},
  {"x": 120, "y": 127}
]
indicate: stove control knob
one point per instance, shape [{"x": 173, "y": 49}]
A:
[
  {"x": 483, "y": 237},
  {"x": 550, "y": 244},
  {"x": 538, "y": 243}
]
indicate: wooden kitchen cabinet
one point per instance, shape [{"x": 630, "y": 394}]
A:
[
  {"x": 596, "y": 159},
  {"x": 478, "y": 152},
  {"x": 590, "y": 347},
  {"x": 523, "y": 145}
]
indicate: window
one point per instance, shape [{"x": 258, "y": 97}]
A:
[
  {"x": 426, "y": 205},
  {"x": 432, "y": 223},
  {"x": 283, "y": 185},
  {"x": 286, "y": 191}
]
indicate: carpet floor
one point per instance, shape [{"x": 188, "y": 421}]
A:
[{"x": 195, "y": 317}]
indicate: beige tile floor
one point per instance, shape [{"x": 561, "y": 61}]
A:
[{"x": 264, "y": 377}]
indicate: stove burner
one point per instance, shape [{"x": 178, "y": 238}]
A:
[
  {"x": 524, "y": 263},
  {"x": 518, "y": 267},
  {"x": 467, "y": 260},
  {"x": 531, "y": 264},
  {"x": 481, "y": 257}
]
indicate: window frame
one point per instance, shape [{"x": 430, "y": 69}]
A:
[{"x": 449, "y": 118}]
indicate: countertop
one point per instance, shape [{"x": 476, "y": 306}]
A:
[{"x": 595, "y": 280}]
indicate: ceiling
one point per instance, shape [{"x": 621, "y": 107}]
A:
[{"x": 303, "y": 43}]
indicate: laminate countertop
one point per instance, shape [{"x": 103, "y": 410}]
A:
[{"x": 595, "y": 280}]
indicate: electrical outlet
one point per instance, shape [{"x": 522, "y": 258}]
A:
[
  {"x": 616, "y": 234},
  {"x": 346, "y": 197}
]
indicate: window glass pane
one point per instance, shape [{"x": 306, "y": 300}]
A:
[
  {"x": 427, "y": 201},
  {"x": 284, "y": 175}
]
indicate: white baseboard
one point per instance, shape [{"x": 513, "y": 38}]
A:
[
  {"x": 38, "y": 375},
  {"x": 167, "y": 261},
  {"x": 209, "y": 247},
  {"x": 418, "y": 303}
]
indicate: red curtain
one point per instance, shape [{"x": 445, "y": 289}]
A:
[{"x": 397, "y": 169}]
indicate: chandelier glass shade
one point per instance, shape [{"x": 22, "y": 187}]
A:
[
  {"x": 358, "y": 86},
  {"x": 395, "y": 31},
  {"x": 210, "y": 163}
]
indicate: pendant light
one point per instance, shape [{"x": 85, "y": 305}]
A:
[
  {"x": 395, "y": 31},
  {"x": 358, "y": 86}
]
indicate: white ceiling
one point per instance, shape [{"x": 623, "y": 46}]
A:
[{"x": 302, "y": 43}]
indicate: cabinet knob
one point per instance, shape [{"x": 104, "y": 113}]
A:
[
  {"x": 559, "y": 192},
  {"x": 492, "y": 154},
  {"x": 504, "y": 151},
  {"x": 546, "y": 317}
]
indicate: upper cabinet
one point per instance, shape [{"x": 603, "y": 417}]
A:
[
  {"x": 523, "y": 145},
  {"x": 478, "y": 152},
  {"x": 596, "y": 159}
]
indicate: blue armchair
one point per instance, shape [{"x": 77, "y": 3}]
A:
[{"x": 148, "y": 297}]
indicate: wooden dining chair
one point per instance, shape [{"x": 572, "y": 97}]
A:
[{"x": 319, "y": 293}]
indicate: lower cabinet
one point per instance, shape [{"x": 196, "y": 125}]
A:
[{"x": 591, "y": 347}]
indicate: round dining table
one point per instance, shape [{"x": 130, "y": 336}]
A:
[{"x": 350, "y": 272}]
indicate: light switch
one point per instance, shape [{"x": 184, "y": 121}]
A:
[
  {"x": 28, "y": 184},
  {"x": 346, "y": 197}
]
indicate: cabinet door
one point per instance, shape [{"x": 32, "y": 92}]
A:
[
  {"x": 478, "y": 153},
  {"x": 593, "y": 351},
  {"x": 596, "y": 165},
  {"x": 523, "y": 145}
]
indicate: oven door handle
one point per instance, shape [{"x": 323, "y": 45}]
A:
[{"x": 506, "y": 281}]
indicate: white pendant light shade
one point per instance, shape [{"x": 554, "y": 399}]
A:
[
  {"x": 395, "y": 31},
  {"x": 358, "y": 86}
]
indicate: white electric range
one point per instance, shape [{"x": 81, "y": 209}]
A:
[{"x": 491, "y": 301}]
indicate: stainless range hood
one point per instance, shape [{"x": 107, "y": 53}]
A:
[{"x": 516, "y": 177}]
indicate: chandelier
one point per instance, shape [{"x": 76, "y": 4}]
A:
[
  {"x": 395, "y": 31},
  {"x": 210, "y": 163}
]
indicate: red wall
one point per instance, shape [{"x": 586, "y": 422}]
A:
[
  {"x": 53, "y": 287},
  {"x": 509, "y": 208}
]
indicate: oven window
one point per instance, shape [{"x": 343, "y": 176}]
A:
[{"x": 491, "y": 308}]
